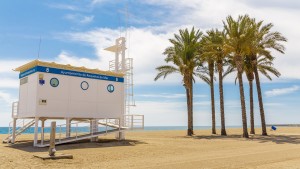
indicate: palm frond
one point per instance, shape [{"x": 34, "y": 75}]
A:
[
  {"x": 229, "y": 70},
  {"x": 164, "y": 71},
  {"x": 203, "y": 77}
]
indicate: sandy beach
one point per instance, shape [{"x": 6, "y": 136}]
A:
[{"x": 165, "y": 149}]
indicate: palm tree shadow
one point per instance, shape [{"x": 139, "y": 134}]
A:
[
  {"x": 27, "y": 145},
  {"x": 278, "y": 139}
]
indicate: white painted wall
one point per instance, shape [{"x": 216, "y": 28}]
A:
[
  {"x": 68, "y": 100},
  {"x": 27, "y": 97}
]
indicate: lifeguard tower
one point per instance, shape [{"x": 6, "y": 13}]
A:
[{"x": 76, "y": 95}]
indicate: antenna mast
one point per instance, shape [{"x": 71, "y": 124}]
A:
[{"x": 39, "y": 48}]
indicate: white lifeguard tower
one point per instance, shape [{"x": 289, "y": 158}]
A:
[{"x": 78, "y": 95}]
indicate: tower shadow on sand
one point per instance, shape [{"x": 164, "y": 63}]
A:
[{"x": 26, "y": 145}]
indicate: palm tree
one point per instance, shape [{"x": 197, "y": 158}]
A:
[
  {"x": 239, "y": 34},
  {"x": 211, "y": 67},
  {"x": 248, "y": 69},
  {"x": 184, "y": 54},
  {"x": 213, "y": 52},
  {"x": 263, "y": 42}
]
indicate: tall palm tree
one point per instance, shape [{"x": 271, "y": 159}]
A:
[
  {"x": 213, "y": 52},
  {"x": 211, "y": 67},
  {"x": 248, "y": 69},
  {"x": 239, "y": 34},
  {"x": 184, "y": 54},
  {"x": 261, "y": 45}
]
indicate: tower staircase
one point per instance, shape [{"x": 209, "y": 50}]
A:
[
  {"x": 102, "y": 127},
  {"x": 21, "y": 126},
  {"x": 78, "y": 137}
]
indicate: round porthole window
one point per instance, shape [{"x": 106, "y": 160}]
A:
[
  {"x": 84, "y": 85},
  {"x": 54, "y": 82},
  {"x": 110, "y": 88}
]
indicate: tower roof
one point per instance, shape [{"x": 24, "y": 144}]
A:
[{"x": 35, "y": 63}]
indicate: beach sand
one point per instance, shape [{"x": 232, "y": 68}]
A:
[{"x": 165, "y": 149}]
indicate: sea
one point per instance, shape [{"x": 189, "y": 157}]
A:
[{"x": 4, "y": 130}]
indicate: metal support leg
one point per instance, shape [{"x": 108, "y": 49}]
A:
[
  {"x": 91, "y": 129},
  {"x": 52, "y": 139},
  {"x": 36, "y": 131},
  {"x": 14, "y": 131},
  {"x": 68, "y": 127},
  {"x": 121, "y": 134},
  {"x": 43, "y": 131},
  {"x": 94, "y": 129}
]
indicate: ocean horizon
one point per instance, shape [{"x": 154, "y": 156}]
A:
[{"x": 4, "y": 130}]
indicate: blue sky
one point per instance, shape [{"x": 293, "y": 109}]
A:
[{"x": 76, "y": 32}]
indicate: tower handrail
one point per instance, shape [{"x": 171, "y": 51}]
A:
[
  {"x": 93, "y": 132},
  {"x": 15, "y": 109},
  {"x": 134, "y": 121}
]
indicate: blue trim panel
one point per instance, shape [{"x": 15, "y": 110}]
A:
[
  {"x": 70, "y": 73},
  {"x": 28, "y": 72}
]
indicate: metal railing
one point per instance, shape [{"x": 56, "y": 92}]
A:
[
  {"x": 75, "y": 131},
  {"x": 21, "y": 123},
  {"x": 80, "y": 128},
  {"x": 15, "y": 109},
  {"x": 134, "y": 121},
  {"x": 21, "y": 126}
]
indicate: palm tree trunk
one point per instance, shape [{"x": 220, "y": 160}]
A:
[
  {"x": 242, "y": 96},
  {"x": 252, "y": 131},
  {"x": 260, "y": 101},
  {"x": 189, "y": 96},
  {"x": 212, "y": 95},
  {"x": 223, "y": 130},
  {"x": 192, "y": 101}
]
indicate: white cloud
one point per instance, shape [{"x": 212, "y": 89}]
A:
[
  {"x": 94, "y": 2},
  {"x": 5, "y": 119},
  {"x": 148, "y": 43},
  {"x": 9, "y": 83},
  {"x": 8, "y": 77},
  {"x": 146, "y": 46},
  {"x": 203, "y": 103},
  {"x": 6, "y": 97},
  {"x": 67, "y": 58},
  {"x": 158, "y": 113},
  {"x": 86, "y": 19},
  {"x": 64, "y": 6},
  {"x": 273, "y": 104},
  {"x": 209, "y": 14},
  {"x": 290, "y": 4},
  {"x": 7, "y": 66},
  {"x": 142, "y": 46},
  {"x": 282, "y": 91},
  {"x": 80, "y": 19},
  {"x": 169, "y": 95}
]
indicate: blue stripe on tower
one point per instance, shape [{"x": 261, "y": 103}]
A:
[{"x": 70, "y": 73}]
